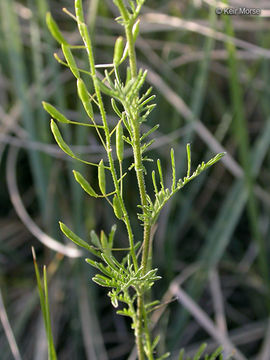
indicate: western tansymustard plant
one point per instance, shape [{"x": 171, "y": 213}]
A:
[{"x": 130, "y": 278}]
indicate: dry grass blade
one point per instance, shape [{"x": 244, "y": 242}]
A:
[
  {"x": 8, "y": 331},
  {"x": 264, "y": 355},
  {"x": 24, "y": 216},
  {"x": 174, "y": 22},
  {"x": 217, "y": 296},
  {"x": 181, "y": 107},
  {"x": 179, "y": 104},
  {"x": 92, "y": 336},
  {"x": 205, "y": 321}
]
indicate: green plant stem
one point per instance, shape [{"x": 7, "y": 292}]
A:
[
  {"x": 142, "y": 327},
  {"x": 139, "y": 327},
  {"x": 147, "y": 335},
  {"x": 88, "y": 45},
  {"x": 136, "y": 133}
]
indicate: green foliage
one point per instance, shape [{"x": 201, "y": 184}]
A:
[
  {"x": 128, "y": 279},
  {"x": 216, "y": 355},
  {"x": 44, "y": 302},
  {"x": 162, "y": 196},
  {"x": 56, "y": 33}
]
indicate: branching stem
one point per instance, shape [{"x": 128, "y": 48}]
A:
[
  {"x": 89, "y": 49},
  {"x": 129, "y": 281},
  {"x": 142, "y": 327}
]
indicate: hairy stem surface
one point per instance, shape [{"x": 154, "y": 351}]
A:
[{"x": 142, "y": 319}]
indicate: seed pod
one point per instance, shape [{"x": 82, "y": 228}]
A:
[
  {"x": 70, "y": 60},
  {"x": 136, "y": 29},
  {"x": 119, "y": 142},
  {"x": 73, "y": 237},
  {"x": 55, "y": 113},
  {"x": 79, "y": 10},
  {"x": 101, "y": 177},
  {"x": 80, "y": 18},
  {"x": 118, "y": 50},
  {"x": 60, "y": 141},
  {"x": 84, "y": 184},
  {"x": 117, "y": 207},
  {"x": 83, "y": 94},
  {"x": 56, "y": 33}
]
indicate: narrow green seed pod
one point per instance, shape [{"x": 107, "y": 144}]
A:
[
  {"x": 119, "y": 142},
  {"x": 73, "y": 237},
  {"x": 83, "y": 94},
  {"x": 101, "y": 177},
  {"x": 81, "y": 23},
  {"x": 79, "y": 10},
  {"x": 136, "y": 29},
  {"x": 55, "y": 113},
  {"x": 84, "y": 184},
  {"x": 70, "y": 60},
  {"x": 118, "y": 50},
  {"x": 54, "y": 29},
  {"x": 117, "y": 207},
  {"x": 60, "y": 141}
]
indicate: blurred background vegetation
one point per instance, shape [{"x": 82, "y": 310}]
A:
[{"x": 211, "y": 76}]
